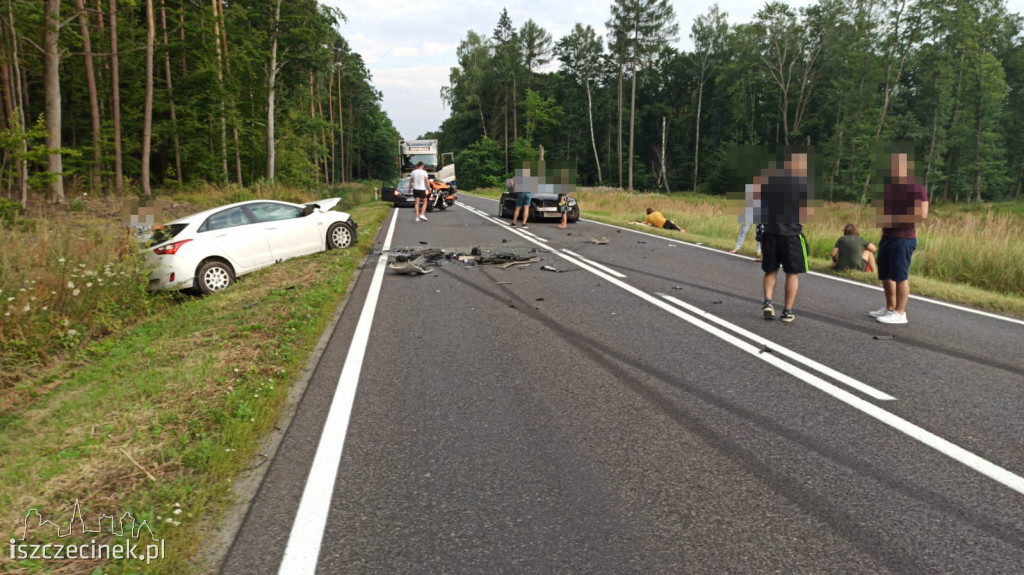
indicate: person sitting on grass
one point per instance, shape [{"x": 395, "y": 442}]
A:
[
  {"x": 659, "y": 221},
  {"x": 853, "y": 252}
]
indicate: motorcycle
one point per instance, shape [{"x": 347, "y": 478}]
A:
[{"x": 442, "y": 196}]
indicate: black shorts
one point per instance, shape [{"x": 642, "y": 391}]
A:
[
  {"x": 670, "y": 226},
  {"x": 419, "y": 193},
  {"x": 790, "y": 252}
]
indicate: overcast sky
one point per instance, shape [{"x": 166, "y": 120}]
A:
[{"x": 409, "y": 47}]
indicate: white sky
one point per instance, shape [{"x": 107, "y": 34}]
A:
[{"x": 409, "y": 47}]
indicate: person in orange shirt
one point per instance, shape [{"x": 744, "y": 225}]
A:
[{"x": 659, "y": 221}]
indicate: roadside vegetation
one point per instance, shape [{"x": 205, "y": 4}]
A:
[
  {"x": 148, "y": 402},
  {"x": 970, "y": 255}
]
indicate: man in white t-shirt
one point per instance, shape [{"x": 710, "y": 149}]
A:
[{"x": 420, "y": 181}]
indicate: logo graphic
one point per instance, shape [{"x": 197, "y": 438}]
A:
[{"x": 127, "y": 527}]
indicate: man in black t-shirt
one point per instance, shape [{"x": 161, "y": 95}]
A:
[{"x": 784, "y": 208}]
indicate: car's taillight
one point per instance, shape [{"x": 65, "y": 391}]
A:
[{"x": 170, "y": 249}]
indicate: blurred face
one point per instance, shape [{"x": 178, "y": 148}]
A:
[
  {"x": 798, "y": 163},
  {"x": 899, "y": 165}
]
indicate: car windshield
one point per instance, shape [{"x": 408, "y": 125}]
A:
[
  {"x": 403, "y": 185},
  {"x": 165, "y": 233},
  {"x": 429, "y": 161}
]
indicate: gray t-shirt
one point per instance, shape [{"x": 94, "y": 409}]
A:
[{"x": 850, "y": 249}]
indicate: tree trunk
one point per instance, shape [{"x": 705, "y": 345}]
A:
[
  {"x": 170, "y": 95},
  {"x": 19, "y": 107},
  {"x": 271, "y": 85},
  {"x": 51, "y": 85},
  {"x": 696, "y": 138},
  {"x": 889, "y": 83},
  {"x": 590, "y": 116},
  {"x": 341, "y": 128},
  {"x": 115, "y": 103},
  {"x": 220, "y": 83},
  {"x": 632, "y": 118},
  {"x": 94, "y": 105},
  {"x": 619, "y": 131},
  {"x": 181, "y": 23},
  {"x": 330, "y": 108},
  {"x": 931, "y": 151},
  {"x": 147, "y": 114},
  {"x": 664, "y": 171},
  {"x": 234, "y": 110},
  {"x": 977, "y": 141}
]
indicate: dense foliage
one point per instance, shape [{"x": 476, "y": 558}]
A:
[
  {"x": 845, "y": 76},
  {"x": 211, "y": 66}
]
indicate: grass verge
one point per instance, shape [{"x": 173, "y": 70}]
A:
[
  {"x": 966, "y": 255},
  {"x": 158, "y": 419}
]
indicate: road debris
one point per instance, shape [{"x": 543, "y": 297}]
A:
[
  {"x": 882, "y": 337},
  {"x": 599, "y": 241},
  {"x": 550, "y": 269},
  {"x": 407, "y": 267}
]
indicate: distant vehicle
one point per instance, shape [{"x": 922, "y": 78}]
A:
[
  {"x": 412, "y": 152},
  {"x": 209, "y": 250},
  {"x": 403, "y": 194},
  {"x": 543, "y": 206}
]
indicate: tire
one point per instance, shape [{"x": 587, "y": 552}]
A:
[
  {"x": 574, "y": 215},
  {"x": 214, "y": 276},
  {"x": 502, "y": 212},
  {"x": 340, "y": 236}
]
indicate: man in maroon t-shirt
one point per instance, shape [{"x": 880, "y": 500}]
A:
[{"x": 904, "y": 203}]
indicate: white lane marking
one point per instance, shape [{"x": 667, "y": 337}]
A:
[
  {"x": 983, "y": 466},
  {"x": 818, "y": 274},
  {"x": 776, "y": 348},
  {"x": 603, "y": 268},
  {"x": 300, "y": 555}
]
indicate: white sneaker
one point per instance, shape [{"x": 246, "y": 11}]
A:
[
  {"x": 417, "y": 218},
  {"x": 893, "y": 318},
  {"x": 424, "y": 218},
  {"x": 879, "y": 312}
]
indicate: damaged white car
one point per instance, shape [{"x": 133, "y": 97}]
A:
[{"x": 208, "y": 250}]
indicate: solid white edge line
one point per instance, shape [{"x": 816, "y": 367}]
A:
[
  {"x": 776, "y": 348},
  {"x": 818, "y": 274},
  {"x": 303, "y": 548},
  {"x": 595, "y": 264},
  {"x": 943, "y": 446}
]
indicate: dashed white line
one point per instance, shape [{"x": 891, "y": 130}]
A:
[
  {"x": 776, "y": 348},
  {"x": 983, "y": 466}
]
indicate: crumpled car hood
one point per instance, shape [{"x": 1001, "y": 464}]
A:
[{"x": 324, "y": 205}]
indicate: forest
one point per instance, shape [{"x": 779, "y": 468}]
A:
[
  {"x": 128, "y": 95},
  {"x": 845, "y": 77}
]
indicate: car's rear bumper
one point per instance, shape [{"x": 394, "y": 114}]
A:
[{"x": 171, "y": 274}]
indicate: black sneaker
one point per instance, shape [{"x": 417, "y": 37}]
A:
[
  {"x": 768, "y": 311},
  {"x": 787, "y": 316}
]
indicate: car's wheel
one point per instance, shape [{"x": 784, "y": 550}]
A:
[
  {"x": 574, "y": 214},
  {"x": 339, "y": 236},
  {"x": 214, "y": 276},
  {"x": 502, "y": 210}
]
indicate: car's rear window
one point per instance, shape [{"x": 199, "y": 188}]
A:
[{"x": 166, "y": 233}]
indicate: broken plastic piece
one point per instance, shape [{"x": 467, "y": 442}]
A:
[{"x": 549, "y": 269}]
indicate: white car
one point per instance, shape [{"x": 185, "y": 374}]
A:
[{"x": 208, "y": 250}]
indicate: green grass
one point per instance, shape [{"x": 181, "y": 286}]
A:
[
  {"x": 971, "y": 255},
  {"x": 187, "y": 392}
]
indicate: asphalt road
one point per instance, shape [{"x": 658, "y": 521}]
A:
[{"x": 526, "y": 421}]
